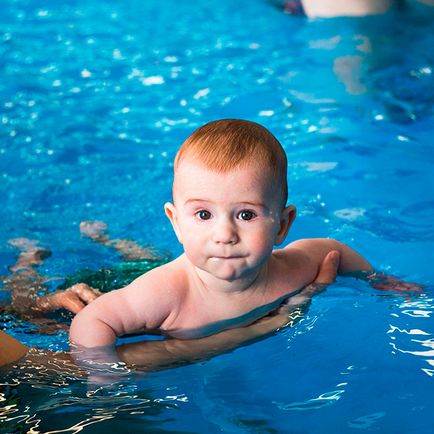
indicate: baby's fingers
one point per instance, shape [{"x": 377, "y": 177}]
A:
[
  {"x": 384, "y": 282},
  {"x": 398, "y": 286}
]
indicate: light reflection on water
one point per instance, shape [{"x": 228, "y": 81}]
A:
[
  {"x": 50, "y": 399},
  {"x": 95, "y": 100},
  {"x": 50, "y": 396},
  {"x": 417, "y": 342}
]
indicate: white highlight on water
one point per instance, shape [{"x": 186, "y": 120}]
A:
[{"x": 350, "y": 213}]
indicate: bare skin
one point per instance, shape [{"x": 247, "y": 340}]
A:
[
  {"x": 333, "y": 8},
  {"x": 25, "y": 282},
  {"x": 354, "y": 8},
  {"x": 168, "y": 353},
  {"x": 156, "y": 355},
  {"x": 173, "y": 352},
  {"x": 149, "y": 355},
  {"x": 229, "y": 275}
]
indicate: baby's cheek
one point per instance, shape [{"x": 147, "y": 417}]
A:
[
  {"x": 262, "y": 243},
  {"x": 192, "y": 247}
]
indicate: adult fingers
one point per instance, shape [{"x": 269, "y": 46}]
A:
[
  {"x": 85, "y": 293},
  {"x": 328, "y": 269},
  {"x": 327, "y": 273},
  {"x": 71, "y": 302},
  {"x": 88, "y": 295}
]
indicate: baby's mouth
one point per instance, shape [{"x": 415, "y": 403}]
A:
[{"x": 228, "y": 257}]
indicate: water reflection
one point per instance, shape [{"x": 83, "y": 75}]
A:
[
  {"x": 40, "y": 401},
  {"x": 417, "y": 341}
]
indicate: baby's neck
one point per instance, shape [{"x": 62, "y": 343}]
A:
[{"x": 252, "y": 283}]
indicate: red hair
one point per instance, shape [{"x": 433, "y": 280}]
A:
[{"x": 226, "y": 144}]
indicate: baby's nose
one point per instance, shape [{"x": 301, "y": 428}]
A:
[{"x": 225, "y": 232}]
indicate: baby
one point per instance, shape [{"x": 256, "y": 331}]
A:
[{"x": 229, "y": 211}]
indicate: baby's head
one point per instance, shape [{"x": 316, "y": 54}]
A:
[
  {"x": 227, "y": 144},
  {"x": 229, "y": 196}
]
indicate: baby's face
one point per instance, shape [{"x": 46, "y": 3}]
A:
[{"x": 227, "y": 222}]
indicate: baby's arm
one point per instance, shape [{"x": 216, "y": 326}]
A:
[
  {"x": 316, "y": 249},
  {"x": 142, "y": 305},
  {"x": 352, "y": 264}
]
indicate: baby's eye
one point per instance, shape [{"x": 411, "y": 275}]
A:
[
  {"x": 203, "y": 214},
  {"x": 246, "y": 215}
]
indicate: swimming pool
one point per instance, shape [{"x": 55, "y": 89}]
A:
[{"x": 95, "y": 98}]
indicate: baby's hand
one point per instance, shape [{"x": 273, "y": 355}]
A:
[
  {"x": 390, "y": 283},
  {"x": 73, "y": 299}
]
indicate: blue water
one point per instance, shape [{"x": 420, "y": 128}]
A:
[{"x": 96, "y": 97}]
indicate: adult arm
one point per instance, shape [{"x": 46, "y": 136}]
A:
[
  {"x": 335, "y": 8},
  {"x": 11, "y": 349},
  {"x": 72, "y": 299},
  {"x": 156, "y": 355}
]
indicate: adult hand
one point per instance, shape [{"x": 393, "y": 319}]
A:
[
  {"x": 327, "y": 273},
  {"x": 155, "y": 355},
  {"x": 73, "y": 299}
]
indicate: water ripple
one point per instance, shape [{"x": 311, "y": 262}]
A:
[{"x": 415, "y": 341}]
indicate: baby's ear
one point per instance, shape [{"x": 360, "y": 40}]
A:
[
  {"x": 170, "y": 211},
  {"x": 286, "y": 219}
]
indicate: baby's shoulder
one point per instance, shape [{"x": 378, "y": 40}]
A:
[
  {"x": 292, "y": 255},
  {"x": 171, "y": 277},
  {"x": 156, "y": 295},
  {"x": 295, "y": 265}
]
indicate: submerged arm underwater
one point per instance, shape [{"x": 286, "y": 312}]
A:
[
  {"x": 157, "y": 355},
  {"x": 175, "y": 352},
  {"x": 163, "y": 354}
]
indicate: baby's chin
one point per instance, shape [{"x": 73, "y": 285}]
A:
[{"x": 229, "y": 270}]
